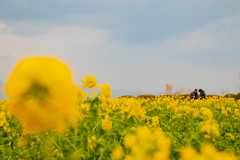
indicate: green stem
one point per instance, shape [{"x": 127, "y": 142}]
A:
[
  {"x": 95, "y": 126},
  {"x": 112, "y": 157},
  {"x": 88, "y": 137},
  {"x": 53, "y": 141},
  {"x": 70, "y": 143},
  {"x": 38, "y": 155},
  {"x": 101, "y": 155},
  {"x": 103, "y": 135}
]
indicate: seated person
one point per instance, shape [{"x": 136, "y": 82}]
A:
[
  {"x": 202, "y": 93},
  {"x": 194, "y": 94}
]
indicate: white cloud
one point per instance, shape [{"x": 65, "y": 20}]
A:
[
  {"x": 139, "y": 66},
  {"x": 123, "y": 1},
  {"x": 57, "y": 40},
  {"x": 3, "y": 27},
  {"x": 219, "y": 35},
  {"x": 66, "y": 42}
]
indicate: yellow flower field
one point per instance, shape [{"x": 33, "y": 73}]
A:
[{"x": 48, "y": 118}]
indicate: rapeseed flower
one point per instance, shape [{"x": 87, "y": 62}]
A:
[
  {"x": 105, "y": 91},
  {"x": 207, "y": 113},
  {"x": 80, "y": 95},
  {"x": 131, "y": 108},
  {"x": 130, "y": 141},
  {"x": 230, "y": 135},
  {"x": 92, "y": 142},
  {"x": 188, "y": 153},
  {"x": 148, "y": 145},
  {"x": 90, "y": 81},
  {"x": 41, "y": 93},
  {"x": 106, "y": 124},
  {"x": 118, "y": 152}
]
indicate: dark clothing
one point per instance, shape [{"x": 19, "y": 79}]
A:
[
  {"x": 202, "y": 94},
  {"x": 194, "y": 94}
]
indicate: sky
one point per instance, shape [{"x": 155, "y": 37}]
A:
[{"x": 129, "y": 44}]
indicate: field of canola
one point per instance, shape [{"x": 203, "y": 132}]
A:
[{"x": 47, "y": 119}]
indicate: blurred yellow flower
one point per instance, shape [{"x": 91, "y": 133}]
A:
[
  {"x": 188, "y": 153},
  {"x": 94, "y": 94},
  {"x": 206, "y": 136},
  {"x": 155, "y": 121},
  {"x": 90, "y": 81},
  {"x": 230, "y": 135},
  {"x": 105, "y": 91},
  {"x": 106, "y": 124},
  {"x": 130, "y": 140},
  {"x": 2, "y": 115},
  {"x": 41, "y": 92},
  {"x": 81, "y": 94},
  {"x": 143, "y": 132},
  {"x": 94, "y": 138},
  {"x": 148, "y": 145},
  {"x": 98, "y": 87},
  {"x": 129, "y": 157},
  {"x": 207, "y": 113},
  {"x": 117, "y": 152},
  {"x": 92, "y": 142}
]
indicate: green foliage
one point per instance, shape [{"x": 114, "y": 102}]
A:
[
  {"x": 147, "y": 96},
  {"x": 180, "y": 119},
  {"x": 127, "y": 96},
  {"x": 185, "y": 96},
  {"x": 168, "y": 95},
  {"x": 237, "y": 97},
  {"x": 230, "y": 96}
]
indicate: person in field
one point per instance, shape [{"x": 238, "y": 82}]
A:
[
  {"x": 194, "y": 94},
  {"x": 202, "y": 93}
]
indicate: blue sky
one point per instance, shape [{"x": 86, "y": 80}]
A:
[{"x": 129, "y": 44}]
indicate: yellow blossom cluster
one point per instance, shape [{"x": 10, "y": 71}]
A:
[
  {"x": 210, "y": 129},
  {"x": 132, "y": 108},
  {"x": 81, "y": 95},
  {"x": 147, "y": 145},
  {"x": 207, "y": 113},
  {"x": 3, "y": 122},
  {"x": 153, "y": 121},
  {"x": 117, "y": 153},
  {"x": 90, "y": 81},
  {"x": 236, "y": 112},
  {"x": 84, "y": 110},
  {"x": 105, "y": 91},
  {"x": 230, "y": 135},
  {"x": 92, "y": 142},
  {"x": 209, "y": 126},
  {"x": 106, "y": 123},
  {"x": 208, "y": 152}
]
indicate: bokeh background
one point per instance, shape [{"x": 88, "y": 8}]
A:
[{"x": 133, "y": 45}]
